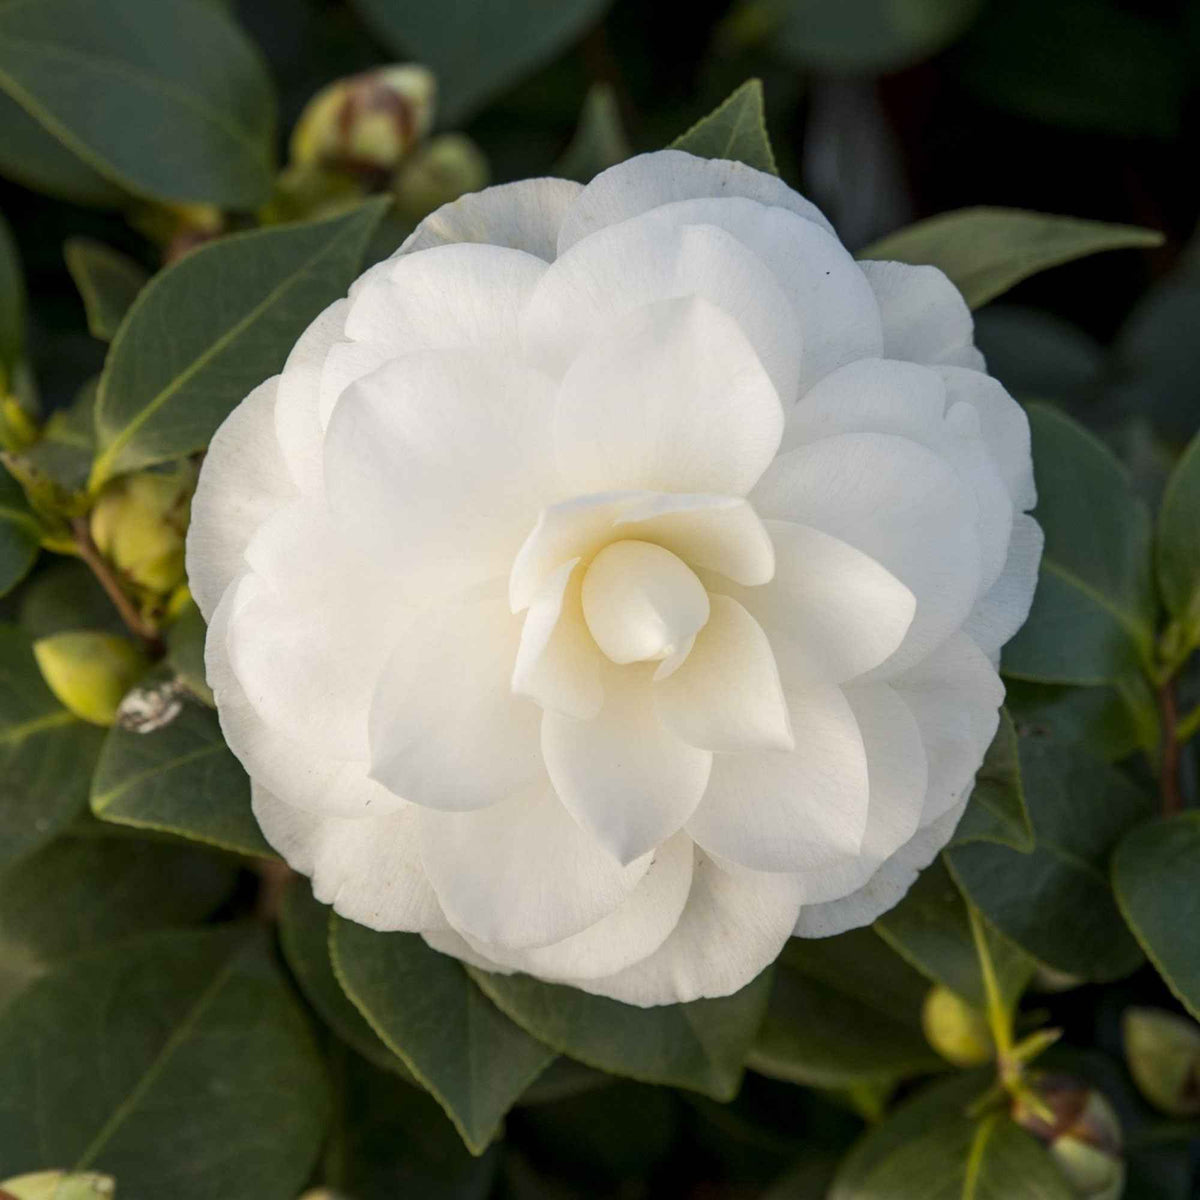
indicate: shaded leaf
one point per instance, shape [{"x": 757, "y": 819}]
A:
[
  {"x": 185, "y": 651},
  {"x": 64, "y": 595},
  {"x": 180, "y": 778},
  {"x": 20, "y": 533},
  {"x": 12, "y": 306},
  {"x": 426, "y": 1010},
  {"x": 108, "y": 283},
  {"x": 1095, "y": 717},
  {"x": 599, "y": 141},
  {"x": 63, "y": 454},
  {"x": 158, "y": 1061},
  {"x": 996, "y": 811},
  {"x": 985, "y": 251},
  {"x": 236, "y": 307},
  {"x": 1156, "y": 878},
  {"x": 735, "y": 129},
  {"x": 1178, "y": 544},
  {"x": 182, "y": 111}
]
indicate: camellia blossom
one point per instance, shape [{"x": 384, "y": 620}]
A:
[{"x": 612, "y": 585}]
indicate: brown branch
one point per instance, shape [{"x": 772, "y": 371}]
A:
[
  {"x": 1172, "y": 797},
  {"x": 107, "y": 578}
]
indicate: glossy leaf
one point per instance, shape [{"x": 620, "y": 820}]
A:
[
  {"x": 1178, "y": 544},
  {"x": 20, "y": 533},
  {"x": 844, "y": 1011},
  {"x": 236, "y": 307},
  {"x": 1156, "y": 878},
  {"x": 427, "y": 1011},
  {"x": 478, "y": 48},
  {"x": 997, "y": 811},
  {"x": 182, "y": 111},
  {"x": 1055, "y": 901},
  {"x": 180, "y": 778},
  {"x": 701, "y": 1046},
  {"x": 63, "y": 596},
  {"x": 158, "y": 1061},
  {"x": 46, "y": 754},
  {"x": 1095, "y": 717},
  {"x": 736, "y": 129},
  {"x": 1094, "y": 610},
  {"x": 63, "y": 454},
  {"x": 985, "y": 251},
  {"x": 185, "y": 651},
  {"x": 108, "y": 283}
]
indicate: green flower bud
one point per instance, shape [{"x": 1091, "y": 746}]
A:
[
  {"x": 89, "y": 672},
  {"x": 1163, "y": 1052},
  {"x": 60, "y": 1185},
  {"x": 367, "y": 122},
  {"x": 445, "y": 168},
  {"x": 958, "y": 1032},
  {"x": 1083, "y": 1135},
  {"x": 304, "y": 193},
  {"x": 140, "y": 522}
]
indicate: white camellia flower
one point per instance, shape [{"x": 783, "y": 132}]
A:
[{"x": 612, "y": 585}]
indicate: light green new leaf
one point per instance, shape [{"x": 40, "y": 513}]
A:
[
  {"x": 700, "y": 1046},
  {"x": 20, "y": 533},
  {"x": 108, "y": 283},
  {"x": 931, "y": 1149},
  {"x": 1156, "y": 878},
  {"x": 1178, "y": 544},
  {"x": 736, "y": 129},
  {"x": 82, "y": 892},
  {"x": 179, "y": 779},
  {"x": 59, "y": 1185},
  {"x": 235, "y": 308},
  {"x": 599, "y": 141},
  {"x": 177, "y": 1062},
  {"x": 1055, "y": 901},
  {"x": 997, "y": 812},
  {"x": 844, "y": 1011},
  {"x": 46, "y": 754},
  {"x": 986, "y": 251},
  {"x": 478, "y": 48},
  {"x": 1093, "y": 614},
  {"x": 427, "y": 1011},
  {"x": 166, "y": 99},
  {"x": 12, "y": 305}
]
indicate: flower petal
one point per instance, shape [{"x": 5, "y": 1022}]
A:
[
  {"x": 446, "y": 731},
  {"x": 1002, "y": 609},
  {"x": 726, "y": 694},
  {"x": 243, "y": 481},
  {"x": 623, "y": 776},
  {"x": 671, "y": 397},
  {"x": 522, "y": 873},
  {"x": 800, "y": 810}
]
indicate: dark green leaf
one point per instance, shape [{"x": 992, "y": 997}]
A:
[
  {"x": 473, "y": 1059},
  {"x": 599, "y": 141},
  {"x": 701, "y": 1046},
  {"x": 1156, "y": 878},
  {"x": 1094, "y": 610},
  {"x": 478, "y": 48},
  {"x": 177, "y": 1062},
  {"x": 108, "y": 283},
  {"x": 997, "y": 812},
  {"x": 185, "y": 651},
  {"x": 985, "y": 251},
  {"x": 235, "y": 307},
  {"x": 81, "y": 892},
  {"x": 1095, "y": 717},
  {"x": 46, "y": 754},
  {"x": 1055, "y": 901},
  {"x": 12, "y": 306},
  {"x": 844, "y": 1011},
  {"x": 930, "y": 1149},
  {"x": 20, "y": 533},
  {"x": 1178, "y": 544},
  {"x": 163, "y": 98},
  {"x": 304, "y": 931},
  {"x": 65, "y": 596},
  {"x": 180, "y": 778},
  {"x": 736, "y": 129},
  {"x": 63, "y": 454}
]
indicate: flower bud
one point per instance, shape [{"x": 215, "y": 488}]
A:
[
  {"x": 140, "y": 522},
  {"x": 304, "y": 193},
  {"x": 89, "y": 672},
  {"x": 1163, "y": 1053},
  {"x": 958, "y": 1032},
  {"x": 60, "y": 1185},
  {"x": 1082, "y": 1134},
  {"x": 367, "y": 122},
  {"x": 443, "y": 169}
]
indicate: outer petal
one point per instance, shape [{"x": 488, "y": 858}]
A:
[
  {"x": 523, "y": 216},
  {"x": 368, "y": 868},
  {"x": 1002, "y": 610},
  {"x": 439, "y": 462},
  {"x": 925, "y": 318},
  {"x": 650, "y": 180},
  {"x": 734, "y": 926},
  {"x": 243, "y": 481},
  {"x": 446, "y": 731},
  {"x": 726, "y": 694},
  {"x": 797, "y": 811},
  {"x": 671, "y": 397},
  {"x": 624, "y": 776},
  {"x": 522, "y": 873}
]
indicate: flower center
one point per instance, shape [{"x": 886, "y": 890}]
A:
[{"x": 642, "y": 603}]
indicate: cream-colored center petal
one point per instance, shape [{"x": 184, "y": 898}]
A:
[{"x": 641, "y": 602}]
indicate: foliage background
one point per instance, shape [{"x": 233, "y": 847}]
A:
[{"x": 177, "y": 1015}]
